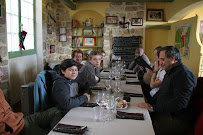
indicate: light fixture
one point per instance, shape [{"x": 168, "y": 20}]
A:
[{"x": 124, "y": 24}]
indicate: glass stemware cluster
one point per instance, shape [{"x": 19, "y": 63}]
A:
[{"x": 108, "y": 98}]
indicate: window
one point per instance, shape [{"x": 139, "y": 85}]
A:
[{"x": 20, "y": 12}]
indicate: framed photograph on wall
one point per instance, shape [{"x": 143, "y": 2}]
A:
[
  {"x": 0, "y": 11},
  {"x": 89, "y": 41},
  {"x": 63, "y": 38},
  {"x": 155, "y": 15},
  {"x": 52, "y": 48},
  {"x": 111, "y": 19},
  {"x": 49, "y": 29},
  {"x": 137, "y": 21},
  {"x": 87, "y": 32}
]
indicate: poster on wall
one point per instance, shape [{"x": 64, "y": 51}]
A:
[{"x": 182, "y": 39}]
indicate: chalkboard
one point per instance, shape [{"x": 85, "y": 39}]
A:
[{"x": 125, "y": 47}]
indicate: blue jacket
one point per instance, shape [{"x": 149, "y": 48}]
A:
[{"x": 41, "y": 101}]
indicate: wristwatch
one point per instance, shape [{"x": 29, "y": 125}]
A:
[{"x": 155, "y": 71}]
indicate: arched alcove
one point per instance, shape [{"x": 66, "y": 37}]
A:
[
  {"x": 84, "y": 15},
  {"x": 185, "y": 11}
]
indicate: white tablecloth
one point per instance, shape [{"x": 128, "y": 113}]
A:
[{"x": 83, "y": 116}]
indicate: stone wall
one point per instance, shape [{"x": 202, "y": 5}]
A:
[
  {"x": 128, "y": 10},
  {"x": 3, "y": 48},
  {"x": 56, "y": 15}
]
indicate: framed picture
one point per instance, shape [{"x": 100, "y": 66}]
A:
[
  {"x": 52, "y": 48},
  {"x": 89, "y": 41},
  {"x": 62, "y": 30},
  {"x": 87, "y": 32},
  {"x": 111, "y": 19},
  {"x": 137, "y": 21},
  {"x": 62, "y": 38},
  {"x": 49, "y": 29},
  {"x": 155, "y": 15},
  {"x": 0, "y": 11}
]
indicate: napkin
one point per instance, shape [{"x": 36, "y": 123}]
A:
[
  {"x": 131, "y": 76},
  {"x": 97, "y": 88},
  {"x": 89, "y": 105},
  {"x": 125, "y": 115},
  {"x": 104, "y": 77},
  {"x": 70, "y": 129},
  {"x": 132, "y": 94},
  {"x": 133, "y": 83},
  {"x": 129, "y": 72}
]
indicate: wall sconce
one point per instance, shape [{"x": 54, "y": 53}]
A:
[{"x": 124, "y": 24}]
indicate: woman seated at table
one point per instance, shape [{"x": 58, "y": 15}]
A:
[{"x": 66, "y": 91}]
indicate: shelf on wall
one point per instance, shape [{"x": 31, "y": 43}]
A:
[
  {"x": 167, "y": 27},
  {"x": 88, "y": 27},
  {"x": 87, "y": 46},
  {"x": 86, "y": 36}
]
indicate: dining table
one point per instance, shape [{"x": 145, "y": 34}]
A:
[{"x": 83, "y": 116}]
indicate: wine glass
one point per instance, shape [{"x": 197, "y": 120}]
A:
[
  {"x": 110, "y": 105},
  {"x": 100, "y": 100}
]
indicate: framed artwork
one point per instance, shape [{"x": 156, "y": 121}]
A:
[
  {"x": 111, "y": 19},
  {"x": 62, "y": 30},
  {"x": 89, "y": 41},
  {"x": 49, "y": 29},
  {"x": 62, "y": 38},
  {"x": 87, "y": 32},
  {"x": 0, "y": 11},
  {"x": 137, "y": 21},
  {"x": 52, "y": 48},
  {"x": 155, "y": 15},
  {"x": 62, "y": 34}
]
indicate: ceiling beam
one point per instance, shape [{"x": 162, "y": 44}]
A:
[
  {"x": 123, "y": 0},
  {"x": 69, "y": 4}
]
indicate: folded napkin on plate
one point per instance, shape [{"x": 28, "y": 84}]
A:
[
  {"x": 135, "y": 83},
  {"x": 129, "y": 72},
  {"x": 132, "y": 94},
  {"x": 125, "y": 115},
  {"x": 70, "y": 129},
  {"x": 97, "y": 88},
  {"x": 89, "y": 105}
]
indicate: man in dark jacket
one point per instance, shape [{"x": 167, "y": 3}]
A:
[{"x": 172, "y": 111}]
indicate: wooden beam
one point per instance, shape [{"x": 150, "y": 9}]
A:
[
  {"x": 123, "y": 0},
  {"x": 69, "y": 4}
]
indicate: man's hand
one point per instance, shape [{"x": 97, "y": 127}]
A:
[
  {"x": 88, "y": 96},
  {"x": 145, "y": 106},
  {"x": 96, "y": 78}
]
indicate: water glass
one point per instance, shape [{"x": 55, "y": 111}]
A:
[{"x": 98, "y": 113}]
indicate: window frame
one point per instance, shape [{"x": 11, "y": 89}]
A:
[{"x": 22, "y": 52}]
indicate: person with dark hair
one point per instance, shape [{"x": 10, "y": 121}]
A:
[
  {"x": 153, "y": 78},
  {"x": 173, "y": 111},
  {"x": 77, "y": 56},
  {"x": 133, "y": 65},
  {"x": 16, "y": 124},
  {"x": 66, "y": 92},
  {"x": 89, "y": 74}
]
